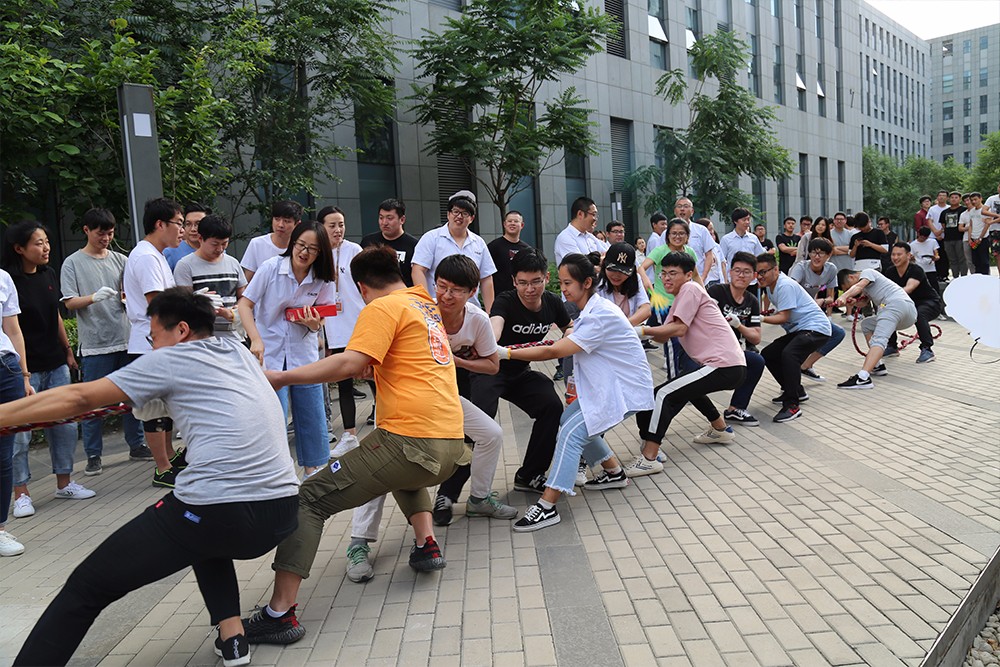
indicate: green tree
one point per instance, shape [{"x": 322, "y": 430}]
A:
[
  {"x": 727, "y": 136},
  {"x": 486, "y": 72},
  {"x": 985, "y": 173},
  {"x": 894, "y": 190}
]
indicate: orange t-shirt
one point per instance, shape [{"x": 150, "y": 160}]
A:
[{"x": 417, "y": 395}]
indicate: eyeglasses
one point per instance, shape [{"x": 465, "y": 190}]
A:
[
  {"x": 537, "y": 282},
  {"x": 678, "y": 234},
  {"x": 671, "y": 274},
  {"x": 451, "y": 291},
  {"x": 458, "y": 213},
  {"x": 817, "y": 252},
  {"x": 302, "y": 247},
  {"x": 179, "y": 223},
  {"x": 190, "y": 225},
  {"x": 741, "y": 272},
  {"x": 773, "y": 268}
]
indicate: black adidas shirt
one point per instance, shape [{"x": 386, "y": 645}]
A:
[
  {"x": 521, "y": 325},
  {"x": 748, "y": 311}
]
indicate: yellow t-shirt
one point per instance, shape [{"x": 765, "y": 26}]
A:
[{"x": 417, "y": 395}]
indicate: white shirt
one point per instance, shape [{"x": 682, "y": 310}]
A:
[
  {"x": 992, "y": 203},
  {"x": 572, "y": 240},
  {"x": 715, "y": 273},
  {"x": 611, "y": 372},
  {"x": 476, "y": 334},
  {"x": 438, "y": 243},
  {"x": 934, "y": 215},
  {"x": 923, "y": 253},
  {"x": 654, "y": 240},
  {"x": 701, "y": 242},
  {"x": 340, "y": 327},
  {"x": 260, "y": 249},
  {"x": 273, "y": 289},
  {"x": 973, "y": 221},
  {"x": 145, "y": 271},
  {"x": 9, "y": 307}
]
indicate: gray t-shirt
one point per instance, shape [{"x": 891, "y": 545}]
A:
[
  {"x": 216, "y": 392},
  {"x": 882, "y": 290},
  {"x": 103, "y": 326},
  {"x": 803, "y": 274},
  {"x": 224, "y": 277},
  {"x": 842, "y": 238}
]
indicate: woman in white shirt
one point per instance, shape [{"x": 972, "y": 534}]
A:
[
  {"x": 301, "y": 277},
  {"x": 14, "y": 384},
  {"x": 613, "y": 381}
]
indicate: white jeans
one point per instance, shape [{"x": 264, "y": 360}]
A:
[{"x": 488, "y": 438}]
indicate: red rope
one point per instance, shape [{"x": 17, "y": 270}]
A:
[
  {"x": 901, "y": 344},
  {"x": 119, "y": 409},
  {"x": 537, "y": 343}
]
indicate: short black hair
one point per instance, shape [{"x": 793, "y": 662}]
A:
[
  {"x": 286, "y": 208},
  {"x": 790, "y": 217},
  {"x": 739, "y": 214},
  {"x": 862, "y": 219},
  {"x": 327, "y": 210},
  {"x": 513, "y": 212},
  {"x": 214, "y": 226},
  {"x": 955, "y": 192},
  {"x": 393, "y": 204},
  {"x": 821, "y": 244},
  {"x": 924, "y": 198},
  {"x": 924, "y": 231},
  {"x": 942, "y": 192},
  {"x": 657, "y": 217},
  {"x": 681, "y": 260},
  {"x": 580, "y": 268},
  {"x": 884, "y": 217},
  {"x": 322, "y": 268},
  {"x": 745, "y": 257},
  {"x": 804, "y": 218},
  {"x": 581, "y": 205},
  {"x": 18, "y": 234},
  {"x": 975, "y": 194},
  {"x": 678, "y": 222},
  {"x": 460, "y": 270},
  {"x": 98, "y": 218},
  {"x": 179, "y": 304},
  {"x": 902, "y": 244},
  {"x": 842, "y": 276},
  {"x": 840, "y": 213},
  {"x": 760, "y": 224},
  {"x": 463, "y": 203},
  {"x": 766, "y": 258},
  {"x": 195, "y": 207},
  {"x": 614, "y": 223},
  {"x": 159, "y": 209},
  {"x": 528, "y": 260},
  {"x": 376, "y": 267}
]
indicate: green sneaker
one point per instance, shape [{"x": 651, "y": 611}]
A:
[
  {"x": 490, "y": 506},
  {"x": 359, "y": 568}
]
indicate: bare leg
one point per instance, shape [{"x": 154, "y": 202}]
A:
[
  {"x": 650, "y": 449},
  {"x": 810, "y": 360},
  {"x": 230, "y": 627},
  {"x": 163, "y": 450},
  {"x": 550, "y": 495},
  {"x": 62, "y": 480},
  {"x": 286, "y": 590},
  {"x": 423, "y": 527},
  {"x": 873, "y": 357}
]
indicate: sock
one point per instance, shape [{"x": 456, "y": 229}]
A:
[
  {"x": 615, "y": 471},
  {"x": 274, "y": 614},
  {"x": 546, "y": 504},
  {"x": 476, "y": 500},
  {"x": 863, "y": 374},
  {"x": 357, "y": 542}
]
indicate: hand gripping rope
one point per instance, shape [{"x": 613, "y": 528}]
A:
[
  {"x": 109, "y": 411},
  {"x": 537, "y": 343}
]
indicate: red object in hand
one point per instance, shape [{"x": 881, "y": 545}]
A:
[{"x": 296, "y": 314}]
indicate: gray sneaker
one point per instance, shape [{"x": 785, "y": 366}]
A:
[
  {"x": 925, "y": 356},
  {"x": 93, "y": 466},
  {"x": 359, "y": 568},
  {"x": 491, "y": 506}
]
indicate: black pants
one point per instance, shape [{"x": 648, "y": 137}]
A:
[
  {"x": 783, "y": 359},
  {"x": 942, "y": 265},
  {"x": 981, "y": 258},
  {"x": 926, "y": 311},
  {"x": 168, "y": 537},
  {"x": 345, "y": 389},
  {"x": 694, "y": 387}
]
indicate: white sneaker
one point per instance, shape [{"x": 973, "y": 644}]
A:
[
  {"x": 661, "y": 456},
  {"x": 23, "y": 506},
  {"x": 8, "y": 545},
  {"x": 641, "y": 467},
  {"x": 74, "y": 491},
  {"x": 581, "y": 474},
  {"x": 713, "y": 437},
  {"x": 348, "y": 441}
]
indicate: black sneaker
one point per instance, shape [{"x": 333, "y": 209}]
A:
[
  {"x": 140, "y": 453},
  {"x": 93, "y": 466},
  {"x": 261, "y": 628},
  {"x": 442, "y": 511},
  {"x": 428, "y": 557},
  {"x": 165, "y": 479},
  {"x": 371, "y": 418},
  {"x": 535, "y": 485},
  {"x": 803, "y": 397},
  {"x": 358, "y": 393},
  {"x": 234, "y": 651},
  {"x": 648, "y": 345},
  {"x": 854, "y": 382},
  {"x": 536, "y": 517},
  {"x": 740, "y": 417},
  {"x": 880, "y": 370},
  {"x": 558, "y": 375},
  {"x": 812, "y": 375},
  {"x": 891, "y": 352},
  {"x": 607, "y": 480},
  {"x": 788, "y": 414},
  {"x": 179, "y": 460}
]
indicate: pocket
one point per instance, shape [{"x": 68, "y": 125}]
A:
[
  {"x": 418, "y": 456},
  {"x": 336, "y": 476}
]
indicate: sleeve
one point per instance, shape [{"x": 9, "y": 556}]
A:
[
  {"x": 853, "y": 242},
  {"x": 754, "y": 311},
  {"x": 485, "y": 343},
  {"x": 871, "y": 275},
  {"x": 641, "y": 298},
  {"x": 68, "y": 283},
  {"x": 487, "y": 267},
  {"x": 562, "y": 248},
  {"x": 327, "y": 294},
  {"x": 423, "y": 254},
  {"x": 500, "y": 306},
  {"x": 8, "y": 293},
  {"x": 241, "y": 277},
  {"x": 150, "y": 275},
  {"x": 258, "y": 284},
  {"x": 182, "y": 273},
  {"x": 374, "y": 331},
  {"x": 685, "y": 305},
  {"x": 588, "y": 332},
  {"x": 147, "y": 377},
  {"x": 797, "y": 272},
  {"x": 758, "y": 247},
  {"x": 250, "y": 262}
]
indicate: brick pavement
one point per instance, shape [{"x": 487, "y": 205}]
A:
[{"x": 846, "y": 537}]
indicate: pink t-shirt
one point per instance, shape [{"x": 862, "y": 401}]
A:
[{"x": 709, "y": 339}]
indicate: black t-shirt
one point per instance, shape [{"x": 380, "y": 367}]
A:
[
  {"x": 949, "y": 220},
  {"x": 403, "y": 245},
  {"x": 785, "y": 262},
  {"x": 38, "y": 294},
  {"x": 502, "y": 251},
  {"x": 876, "y": 236},
  {"x": 521, "y": 325},
  {"x": 768, "y": 245},
  {"x": 924, "y": 292},
  {"x": 748, "y": 311},
  {"x": 890, "y": 239}
]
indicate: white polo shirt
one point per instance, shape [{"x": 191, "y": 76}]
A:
[
  {"x": 701, "y": 242},
  {"x": 438, "y": 243},
  {"x": 611, "y": 372},
  {"x": 340, "y": 328},
  {"x": 272, "y": 289},
  {"x": 259, "y": 251},
  {"x": 9, "y": 307},
  {"x": 145, "y": 271},
  {"x": 572, "y": 240},
  {"x": 733, "y": 243}
]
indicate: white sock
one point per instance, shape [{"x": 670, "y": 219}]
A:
[
  {"x": 546, "y": 504},
  {"x": 615, "y": 470},
  {"x": 863, "y": 374},
  {"x": 274, "y": 614}
]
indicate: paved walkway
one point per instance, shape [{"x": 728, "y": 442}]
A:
[{"x": 846, "y": 537}]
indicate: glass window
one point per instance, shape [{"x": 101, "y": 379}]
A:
[
  {"x": 948, "y": 138},
  {"x": 983, "y": 130},
  {"x": 984, "y": 104},
  {"x": 966, "y": 107},
  {"x": 984, "y": 77},
  {"x": 966, "y": 79},
  {"x": 967, "y": 46},
  {"x": 947, "y": 83},
  {"x": 658, "y": 54},
  {"x": 984, "y": 42},
  {"x": 779, "y": 83},
  {"x": 967, "y": 159},
  {"x": 947, "y": 47},
  {"x": 966, "y": 134},
  {"x": 947, "y": 110}
]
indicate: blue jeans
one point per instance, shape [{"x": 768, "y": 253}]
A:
[
  {"x": 312, "y": 438},
  {"x": 96, "y": 367},
  {"x": 836, "y": 335},
  {"x": 572, "y": 442},
  {"x": 11, "y": 389},
  {"x": 62, "y": 439},
  {"x": 755, "y": 368}
]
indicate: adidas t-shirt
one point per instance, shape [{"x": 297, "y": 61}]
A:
[{"x": 521, "y": 325}]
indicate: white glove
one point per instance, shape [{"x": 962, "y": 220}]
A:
[
  {"x": 640, "y": 332},
  {"x": 734, "y": 320},
  {"x": 504, "y": 352},
  {"x": 212, "y": 296},
  {"x": 104, "y": 293}
]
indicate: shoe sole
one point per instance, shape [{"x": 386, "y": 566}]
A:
[
  {"x": 926, "y": 361},
  {"x": 858, "y": 386},
  {"x": 140, "y": 458},
  {"x": 526, "y": 489},
  {"x": 430, "y": 565},
  {"x": 819, "y": 379},
  {"x": 778, "y": 401},
  {"x": 243, "y": 660},
  {"x": 278, "y": 640},
  {"x": 92, "y": 473},
  {"x": 490, "y": 515},
  {"x": 11, "y": 555},
  {"x": 788, "y": 419},
  {"x": 362, "y": 579},
  {"x": 163, "y": 485},
  {"x": 538, "y": 526},
  {"x": 74, "y": 497},
  {"x": 880, "y": 374},
  {"x": 23, "y": 516},
  {"x": 743, "y": 423},
  {"x": 632, "y": 472},
  {"x": 720, "y": 441},
  {"x": 607, "y": 487}
]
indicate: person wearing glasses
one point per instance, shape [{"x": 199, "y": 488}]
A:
[
  {"x": 455, "y": 238},
  {"x": 818, "y": 276},
  {"x": 301, "y": 277},
  {"x": 193, "y": 214},
  {"x": 147, "y": 273},
  {"x": 806, "y": 327}
]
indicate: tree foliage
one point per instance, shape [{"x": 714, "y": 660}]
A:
[
  {"x": 486, "y": 71},
  {"x": 985, "y": 174},
  {"x": 728, "y": 135},
  {"x": 894, "y": 190}
]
